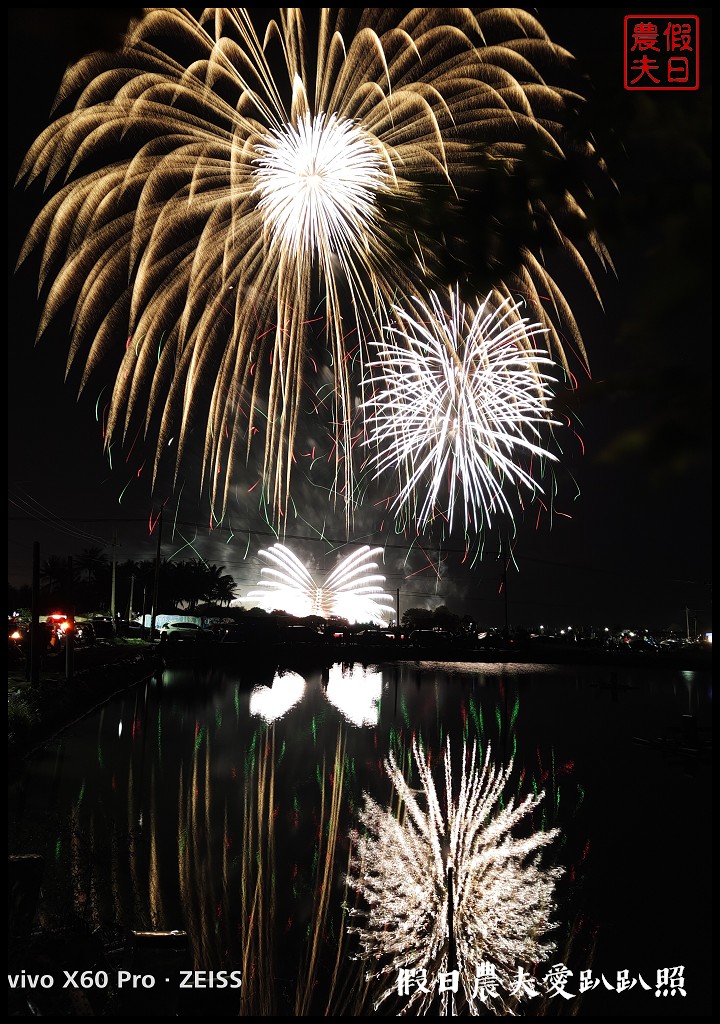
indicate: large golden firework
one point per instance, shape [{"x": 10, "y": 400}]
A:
[{"x": 223, "y": 197}]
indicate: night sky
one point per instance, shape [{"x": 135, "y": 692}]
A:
[{"x": 629, "y": 542}]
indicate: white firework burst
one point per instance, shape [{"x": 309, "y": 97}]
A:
[
  {"x": 352, "y": 591},
  {"x": 458, "y": 395},
  {"x": 317, "y": 182},
  {"x": 500, "y": 901},
  {"x": 221, "y": 188}
]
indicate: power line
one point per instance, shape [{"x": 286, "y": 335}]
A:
[
  {"x": 240, "y": 532},
  {"x": 39, "y": 513}
]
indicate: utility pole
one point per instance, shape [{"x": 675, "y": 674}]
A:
[
  {"x": 70, "y": 634},
  {"x": 112, "y": 588},
  {"x": 130, "y": 602},
  {"x": 506, "y": 556},
  {"x": 156, "y": 587},
  {"x": 35, "y": 639}
]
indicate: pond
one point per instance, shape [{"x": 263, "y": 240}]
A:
[{"x": 211, "y": 820}]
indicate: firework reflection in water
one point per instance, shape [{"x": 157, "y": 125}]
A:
[
  {"x": 318, "y": 983},
  {"x": 503, "y": 898}
]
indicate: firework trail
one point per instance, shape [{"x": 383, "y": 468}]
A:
[
  {"x": 502, "y": 898},
  {"x": 220, "y": 199},
  {"x": 352, "y": 591},
  {"x": 456, "y": 406}
]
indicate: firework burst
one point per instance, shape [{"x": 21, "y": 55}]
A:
[
  {"x": 222, "y": 192},
  {"x": 352, "y": 591},
  {"x": 458, "y": 396},
  {"x": 502, "y": 898}
]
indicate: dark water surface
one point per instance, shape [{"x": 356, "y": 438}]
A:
[{"x": 220, "y": 804}]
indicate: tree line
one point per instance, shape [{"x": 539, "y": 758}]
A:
[{"x": 85, "y": 583}]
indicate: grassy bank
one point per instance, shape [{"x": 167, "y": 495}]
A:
[{"x": 37, "y": 712}]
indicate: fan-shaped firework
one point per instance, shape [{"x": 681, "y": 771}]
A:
[
  {"x": 502, "y": 898},
  {"x": 456, "y": 406},
  {"x": 351, "y": 591},
  {"x": 221, "y": 192}
]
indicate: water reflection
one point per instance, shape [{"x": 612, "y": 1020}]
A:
[
  {"x": 272, "y": 702},
  {"x": 449, "y": 889},
  {"x": 355, "y": 690},
  {"x": 223, "y": 805}
]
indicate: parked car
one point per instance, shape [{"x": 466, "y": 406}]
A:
[
  {"x": 18, "y": 641},
  {"x": 373, "y": 638},
  {"x": 186, "y": 632},
  {"x": 56, "y": 625},
  {"x": 84, "y": 633},
  {"x": 62, "y": 626},
  {"x": 300, "y": 634},
  {"x": 185, "y": 642},
  {"x": 431, "y": 639},
  {"x": 130, "y": 628},
  {"x": 234, "y": 634},
  {"x": 104, "y": 627}
]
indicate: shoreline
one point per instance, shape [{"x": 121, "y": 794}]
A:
[{"x": 38, "y": 713}]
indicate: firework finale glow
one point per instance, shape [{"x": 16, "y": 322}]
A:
[
  {"x": 213, "y": 219},
  {"x": 502, "y": 896},
  {"x": 352, "y": 591},
  {"x": 457, "y": 396}
]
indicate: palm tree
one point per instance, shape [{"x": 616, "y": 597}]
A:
[
  {"x": 221, "y": 588},
  {"x": 92, "y": 561},
  {"x": 54, "y": 572},
  {"x": 188, "y": 582}
]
